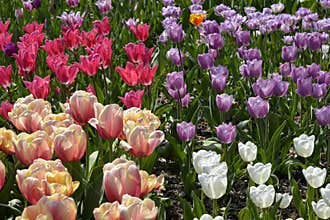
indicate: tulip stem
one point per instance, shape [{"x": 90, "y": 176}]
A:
[
  {"x": 105, "y": 83},
  {"x": 265, "y": 214},
  {"x": 328, "y": 147},
  {"x": 215, "y": 207},
  {"x": 309, "y": 199},
  {"x": 110, "y": 150},
  {"x": 94, "y": 83}
]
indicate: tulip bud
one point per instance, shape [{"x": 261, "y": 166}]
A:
[
  {"x": 2, "y": 174},
  {"x": 262, "y": 196},
  {"x": 315, "y": 176},
  {"x": 132, "y": 99},
  {"x": 304, "y": 145},
  {"x": 39, "y": 87},
  {"x": 325, "y": 192},
  {"x": 247, "y": 151},
  {"x": 213, "y": 185},
  {"x": 323, "y": 115},
  {"x": 7, "y": 137},
  {"x": 226, "y": 133},
  {"x": 5, "y": 76},
  {"x": 224, "y": 102},
  {"x": 321, "y": 209},
  {"x": 176, "y": 33},
  {"x": 259, "y": 172},
  {"x": 209, "y": 217},
  {"x": 203, "y": 159},
  {"x": 285, "y": 200},
  {"x": 205, "y": 61},
  {"x": 186, "y": 131},
  {"x": 257, "y": 107}
]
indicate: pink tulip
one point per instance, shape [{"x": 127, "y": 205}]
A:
[
  {"x": 140, "y": 31},
  {"x": 32, "y": 27},
  {"x": 26, "y": 59},
  {"x": 4, "y": 26},
  {"x": 53, "y": 121},
  {"x": 70, "y": 143},
  {"x": 102, "y": 26},
  {"x": 54, "y": 47},
  {"x": 2, "y": 174},
  {"x": 5, "y": 76},
  {"x": 39, "y": 87},
  {"x": 90, "y": 64},
  {"x": 7, "y": 138},
  {"x": 55, "y": 207},
  {"x": 104, "y": 49},
  {"x": 90, "y": 89},
  {"x": 108, "y": 120},
  {"x": 45, "y": 178},
  {"x": 71, "y": 38},
  {"x": 5, "y": 108},
  {"x": 132, "y": 99}
]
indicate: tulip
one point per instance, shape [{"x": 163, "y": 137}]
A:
[
  {"x": 5, "y": 108},
  {"x": 7, "y": 137},
  {"x": 213, "y": 185},
  {"x": 102, "y": 26},
  {"x": 104, "y": 49},
  {"x": 4, "y": 26},
  {"x": 262, "y": 196},
  {"x": 204, "y": 159},
  {"x": 132, "y": 99},
  {"x": 186, "y": 131},
  {"x": 72, "y": 3},
  {"x": 259, "y": 172},
  {"x": 252, "y": 69},
  {"x": 325, "y": 192},
  {"x": 107, "y": 211},
  {"x": 65, "y": 74},
  {"x": 108, "y": 120},
  {"x": 55, "y": 207},
  {"x": 54, "y": 47},
  {"x": 281, "y": 87},
  {"x": 5, "y": 76},
  {"x": 264, "y": 88},
  {"x": 315, "y": 176},
  {"x": 2, "y": 174},
  {"x": 53, "y": 121},
  {"x": 224, "y": 102},
  {"x": 175, "y": 85},
  {"x": 90, "y": 64},
  {"x": 176, "y": 33},
  {"x": 197, "y": 17},
  {"x": 323, "y": 115},
  {"x": 10, "y": 49},
  {"x": 19, "y": 13},
  {"x": 32, "y": 146},
  {"x": 215, "y": 41},
  {"x": 218, "y": 82},
  {"x": 321, "y": 209},
  {"x": 226, "y": 133},
  {"x": 45, "y": 178},
  {"x": 33, "y": 26},
  {"x": 289, "y": 53},
  {"x": 28, "y": 113},
  {"x": 90, "y": 89},
  {"x": 39, "y": 87},
  {"x": 304, "y": 86},
  {"x": 147, "y": 75},
  {"x": 72, "y": 20},
  {"x": 319, "y": 90},
  {"x": 131, "y": 73},
  {"x": 26, "y": 59},
  {"x": 205, "y": 61},
  {"x": 175, "y": 56},
  {"x": 314, "y": 41},
  {"x": 70, "y": 143},
  {"x": 247, "y": 151},
  {"x": 71, "y": 38},
  {"x": 285, "y": 69},
  {"x": 137, "y": 117},
  {"x": 257, "y": 107},
  {"x": 284, "y": 199},
  {"x": 140, "y": 31},
  {"x": 104, "y": 6},
  {"x": 242, "y": 38},
  {"x": 138, "y": 53},
  {"x": 304, "y": 145},
  {"x": 123, "y": 177},
  {"x": 209, "y": 217},
  {"x": 81, "y": 106}
]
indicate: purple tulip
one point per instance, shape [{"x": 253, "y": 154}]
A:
[
  {"x": 72, "y": 3},
  {"x": 169, "y": 21},
  {"x": 289, "y": 53},
  {"x": 163, "y": 38},
  {"x": 219, "y": 70},
  {"x": 264, "y": 87},
  {"x": 19, "y": 13},
  {"x": 281, "y": 87},
  {"x": 199, "y": 2},
  {"x": 304, "y": 86},
  {"x": 325, "y": 4},
  {"x": 215, "y": 41},
  {"x": 319, "y": 90},
  {"x": 195, "y": 9},
  {"x": 175, "y": 85},
  {"x": 185, "y": 100},
  {"x": 36, "y": 4},
  {"x": 171, "y": 11},
  {"x": 224, "y": 102},
  {"x": 257, "y": 107},
  {"x": 176, "y": 33},
  {"x": 313, "y": 70},
  {"x": 323, "y": 115},
  {"x": 186, "y": 131},
  {"x": 10, "y": 49},
  {"x": 249, "y": 54},
  {"x": 277, "y": 8},
  {"x": 218, "y": 82},
  {"x": 226, "y": 133},
  {"x": 209, "y": 27},
  {"x": 243, "y": 38},
  {"x": 286, "y": 68},
  {"x": 314, "y": 41},
  {"x": 167, "y": 2},
  {"x": 251, "y": 69},
  {"x": 298, "y": 72},
  {"x": 213, "y": 52},
  {"x": 174, "y": 55},
  {"x": 205, "y": 60},
  {"x": 301, "y": 40}
]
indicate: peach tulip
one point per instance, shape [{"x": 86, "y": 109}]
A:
[
  {"x": 108, "y": 120},
  {"x": 29, "y": 147},
  {"x": 56, "y": 120},
  {"x": 28, "y": 113},
  {"x": 123, "y": 177},
  {"x": 107, "y": 211},
  {"x": 81, "y": 106},
  {"x": 70, "y": 143},
  {"x": 54, "y": 207},
  {"x": 2, "y": 174},
  {"x": 45, "y": 178},
  {"x": 7, "y": 137}
]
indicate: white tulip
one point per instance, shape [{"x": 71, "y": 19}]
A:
[
  {"x": 262, "y": 196},
  {"x": 259, "y": 172},
  {"x": 321, "y": 209},
  {"x": 214, "y": 186},
  {"x": 296, "y": 219},
  {"x": 203, "y": 159},
  {"x": 209, "y": 217},
  {"x": 325, "y": 192},
  {"x": 285, "y": 199},
  {"x": 247, "y": 151},
  {"x": 315, "y": 176},
  {"x": 304, "y": 145},
  {"x": 217, "y": 169}
]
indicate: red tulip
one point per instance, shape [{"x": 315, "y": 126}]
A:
[
  {"x": 5, "y": 38},
  {"x": 104, "y": 50},
  {"x": 102, "y": 26},
  {"x": 132, "y": 99},
  {"x": 131, "y": 73},
  {"x": 141, "y": 31},
  {"x": 90, "y": 89},
  {"x": 71, "y": 38},
  {"x": 39, "y": 87},
  {"x": 26, "y": 59},
  {"x": 54, "y": 47},
  {"x": 66, "y": 74},
  {"x": 54, "y": 60},
  {"x": 138, "y": 53},
  {"x": 90, "y": 64},
  {"x": 5, "y": 108},
  {"x": 4, "y": 26},
  {"x": 147, "y": 75},
  {"x": 2, "y": 174},
  {"x": 27, "y": 39},
  {"x": 34, "y": 26},
  {"x": 5, "y": 76},
  {"x": 88, "y": 39}
]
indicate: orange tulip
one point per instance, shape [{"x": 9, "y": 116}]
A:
[
  {"x": 197, "y": 19},
  {"x": 54, "y": 207},
  {"x": 45, "y": 178},
  {"x": 2, "y": 174},
  {"x": 6, "y": 141}
]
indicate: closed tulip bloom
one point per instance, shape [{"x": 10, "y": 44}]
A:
[
  {"x": 107, "y": 211},
  {"x": 304, "y": 145},
  {"x": 53, "y": 121},
  {"x": 262, "y": 196},
  {"x": 205, "y": 61},
  {"x": 226, "y": 133},
  {"x": 257, "y": 107},
  {"x": 323, "y": 115},
  {"x": 81, "y": 106},
  {"x": 321, "y": 209},
  {"x": 141, "y": 31},
  {"x": 252, "y": 69},
  {"x": 174, "y": 55},
  {"x": 39, "y": 87},
  {"x": 315, "y": 176},
  {"x": 264, "y": 87},
  {"x": 209, "y": 217},
  {"x": 104, "y": 6},
  {"x": 5, "y": 76},
  {"x": 203, "y": 159},
  {"x": 319, "y": 90},
  {"x": 304, "y": 86},
  {"x": 247, "y": 151},
  {"x": 70, "y": 143},
  {"x": 7, "y": 138},
  {"x": 90, "y": 64},
  {"x": 215, "y": 41},
  {"x": 325, "y": 192},
  {"x": 285, "y": 200},
  {"x": 224, "y": 102},
  {"x": 5, "y": 108},
  {"x": 289, "y": 53},
  {"x": 132, "y": 99},
  {"x": 243, "y": 38},
  {"x": 213, "y": 185},
  {"x": 55, "y": 207},
  {"x": 135, "y": 208},
  {"x": 45, "y": 178},
  {"x": 2, "y": 174},
  {"x": 218, "y": 82},
  {"x": 72, "y": 3},
  {"x": 186, "y": 131},
  {"x": 176, "y": 33},
  {"x": 259, "y": 172},
  {"x": 175, "y": 85}
]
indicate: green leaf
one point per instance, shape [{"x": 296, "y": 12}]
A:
[
  {"x": 297, "y": 199},
  {"x": 147, "y": 163},
  {"x": 244, "y": 214},
  {"x": 274, "y": 147},
  {"x": 91, "y": 162},
  {"x": 187, "y": 210},
  {"x": 198, "y": 205}
]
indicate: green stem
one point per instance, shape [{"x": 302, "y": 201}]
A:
[
  {"x": 309, "y": 199},
  {"x": 265, "y": 214},
  {"x": 215, "y": 207},
  {"x": 110, "y": 142}
]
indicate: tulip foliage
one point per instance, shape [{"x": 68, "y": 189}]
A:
[{"x": 164, "y": 109}]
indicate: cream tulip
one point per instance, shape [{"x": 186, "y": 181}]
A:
[
  {"x": 325, "y": 192},
  {"x": 304, "y": 145},
  {"x": 285, "y": 200},
  {"x": 203, "y": 159},
  {"x": 247, "y": 151},
  {"x": 262, "y": 196},
  {"x": 259, "y": 172},
  {"x": 315, "y": 176},
  {"x": 321, "y": 209},
  {"x": 214, "y": 186}
]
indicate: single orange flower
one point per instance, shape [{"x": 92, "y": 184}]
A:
[{"x": 197, "y": 19}]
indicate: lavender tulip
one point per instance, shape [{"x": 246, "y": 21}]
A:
[
  {"x": 304, "y": 86},
  {"x": 226, "y": 133},
  {"x": 249, "y": 54},
  {"x": 171, "y": 11},
  {"x": 323, "y": 115},
  {"x": 174, "y": 55},
  {"x": 298, "y": 72},
  {"x": 301, "y": 40},
  {"x": 286, "y": 68},
  {"x": 168, "y": 2},
  {"x": 313, "y": 70},
  {"x": 257, "y": 107},
  {"x": 281, "y": 87},
  {"x": 251, "y": 69},
  {"x": 205, "y": 61},
  {"x": 243, "y": 38},
  {"x": 176, "y": 33},
  {"x": 314, "y": 41},
  {"x": 289, "y": 53},
  {"x": 175, "y": 85},
  {"x": 325, "y": 4},
  {"x": 264, "y": 87},
  {"x": 218, "y": 82},
  {"x": 186, "y": 131},
  {"x": 209, "y": 27},
  {"x": 215, "y": 41},
  {"x": 319, "y": 90},
  {"x": 219, "y": 70},
  {"x": 72, "y": 3},
  {"x": 224, "y": 102}
]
